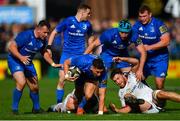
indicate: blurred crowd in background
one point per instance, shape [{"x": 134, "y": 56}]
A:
[{"x": 9, "y": 31}]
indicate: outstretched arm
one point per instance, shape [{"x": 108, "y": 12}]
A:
[
  {"x": 48, "y": 58},
  {"x": 133, "y": 61},
  {"x": 142, "y": 51},
  {"x": 50, "y": 41},
  {"x": 125, "y": 109},
  {"x": 102, "y": 93}
]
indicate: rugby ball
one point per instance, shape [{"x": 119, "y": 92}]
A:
[{"x": 74, "y": 71}]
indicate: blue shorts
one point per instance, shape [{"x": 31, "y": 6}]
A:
[
  {"x": 15, "y": 65},
  {"x": 66, "y": 55},
  {"x": 109, "y": 62},
  {"x": 84, "y": 78},
  {"x": 157, "y": 69}
]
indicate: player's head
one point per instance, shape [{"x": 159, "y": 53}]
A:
[
  {"x": 42, "y": 29},
  {"x": 124, "y": 27},
  {"x": 84, "y": 11},
  {"x": 97, "y": 67},
  {"x": 145, "y": 14},
  {"x": 118, "y": 77}
]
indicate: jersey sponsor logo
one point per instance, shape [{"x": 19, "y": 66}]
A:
[
  {"x": 146, "y": 37},
  {"x": 30, "y": 44},
  {"x": 141, "y": 29},
  {"x": 163, "y": 29},
  {"x": 31, "y": 51},
  {"x": 72, "y": 26},
  {"x": 76, "y": 34}
]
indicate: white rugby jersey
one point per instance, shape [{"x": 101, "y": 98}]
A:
[{"x": 136, "y": 88}]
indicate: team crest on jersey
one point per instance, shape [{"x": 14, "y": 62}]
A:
[
  {"x": 84, "y": 26},
  {"x": 163, "y": 29},
  {"x": 152, "y": 29}
]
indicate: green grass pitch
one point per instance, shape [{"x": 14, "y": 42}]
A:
[{"x": 47, "y": 97}]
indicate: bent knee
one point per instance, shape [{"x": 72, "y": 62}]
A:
[{"x": 34, "y": 88}]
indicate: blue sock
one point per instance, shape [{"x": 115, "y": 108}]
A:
[
  {"x": 59, "y": 95},
  {"x": 35, "y": 99},
  {"x": 16, "y": 98},
  {"x": 83, "y": 102}
]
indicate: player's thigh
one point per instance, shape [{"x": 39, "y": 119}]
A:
[
  {"x": 15, "y": 65},
  {"x": 17, "y": 71},
  {"x": 61, "y": 76},
  {"x": 20, "y": 80},
  {"x": 160, "y": 69},
  {"x": 89, "y": 89}
]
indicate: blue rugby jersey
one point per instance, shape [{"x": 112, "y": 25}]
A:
[
  {"x": 84, "y": 63},
  {"x": 150, "y": 34},
  {"x": 28, "y": 44},
  {"x": 114, "y": 45},
  {"x": 74, "y": 33}
]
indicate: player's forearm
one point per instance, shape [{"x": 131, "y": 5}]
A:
[
  {"x": 51, "y": 37},
  {"x": 130, "y": 60},
  {"x": 165, "y": 40},
  {"x": 142, "y": 59},
  {"x": 48, "y": 58},
  {"x": 102, "y": 93},
  {"x": 66, "y": 66},
  {"x": 126, "y": 109}
]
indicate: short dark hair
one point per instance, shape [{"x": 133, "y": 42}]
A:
[
  {"x": 144, "y": 8},
  {"x": 44, "y": 23},
  {"x": 114, "y": 72},
  {"x": 98, "y": 63},
  {"x": 83, "y": 6}
]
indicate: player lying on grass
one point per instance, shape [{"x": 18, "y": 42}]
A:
[
  {"x": 70, "y": 104},
  {"x": 136, "y": 96}
]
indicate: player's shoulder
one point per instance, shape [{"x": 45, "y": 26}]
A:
[
  {"x": 26, "y": 33},
  {"x": 157, "y": 21},
  {"x": 137, "y": 23}
]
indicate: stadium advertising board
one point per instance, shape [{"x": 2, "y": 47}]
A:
[
  {"x": 16, "y": 14},
  {"x": 4, "y": 71}
]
